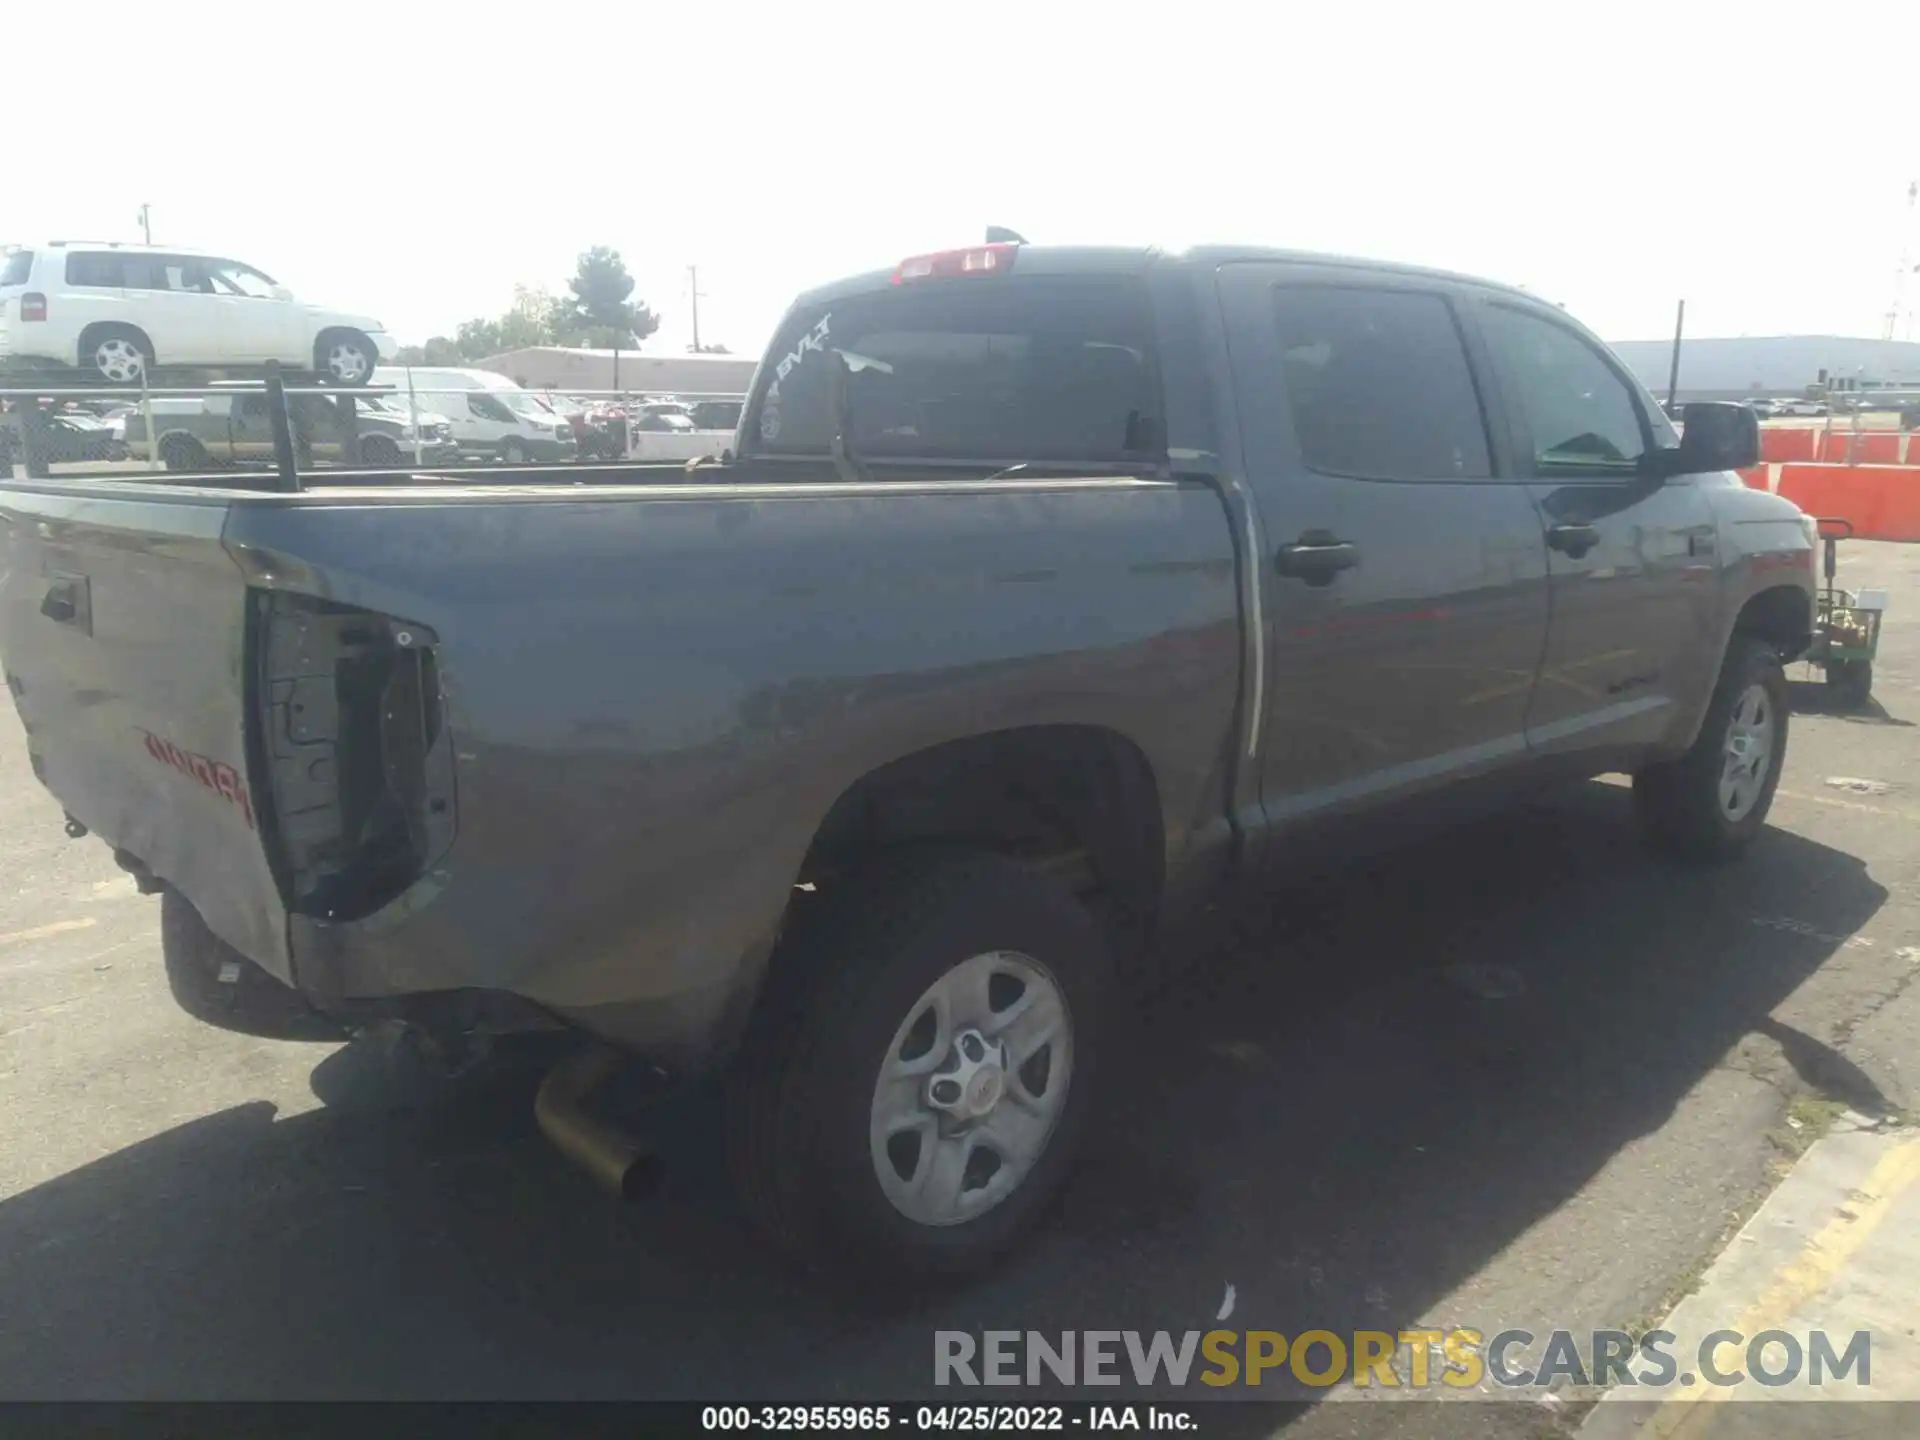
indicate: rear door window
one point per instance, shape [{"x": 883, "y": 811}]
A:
[
  {"x": 1378, "y": 384},
  {"x": 1006, "y": 369},
  {"x": 92, "y": 270}
]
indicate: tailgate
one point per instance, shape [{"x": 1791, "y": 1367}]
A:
[{"x": 123, "y": 627}]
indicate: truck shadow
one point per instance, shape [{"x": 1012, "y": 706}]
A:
[
  {"x": 1399, "y": 1074},
  {"x": 1811, "y": 697}
]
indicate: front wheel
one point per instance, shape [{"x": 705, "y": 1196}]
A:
[
  {"x": 1711, "y": 802},
  {"x": 921, "y": 1069},
  {"x": 512, "y": 452},
  {"x": 379, "y": 452}
]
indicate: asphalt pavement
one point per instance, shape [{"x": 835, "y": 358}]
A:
[{"x": 1525, "y": 1075}]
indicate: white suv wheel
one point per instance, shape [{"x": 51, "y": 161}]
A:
[
  {"x": 118, "y": 359},
  {"x": 348, "y": 362}
]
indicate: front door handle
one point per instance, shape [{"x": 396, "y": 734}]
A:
[
  {"x": 1573, "y": 540},
  {"x": 1316, "y": 558}
]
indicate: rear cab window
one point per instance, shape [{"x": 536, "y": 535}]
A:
[{"x": 1000, "y": 369}]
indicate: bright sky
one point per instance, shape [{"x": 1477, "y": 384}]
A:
[{"x": 1615, "y": 157}]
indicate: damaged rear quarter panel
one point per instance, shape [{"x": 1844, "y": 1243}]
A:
[{"x": 653, "y": 698}]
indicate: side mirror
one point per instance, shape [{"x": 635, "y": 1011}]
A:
[
  {"x": 1714, "y": 435},
  {"x": 281, "y": 292}
]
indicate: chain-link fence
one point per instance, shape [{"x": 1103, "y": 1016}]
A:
[{"x": 408, "y": 418}]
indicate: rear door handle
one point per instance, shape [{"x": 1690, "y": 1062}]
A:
[
  {"x": 1316, "y": 558},
  {"x": 1573, "y": 540}
]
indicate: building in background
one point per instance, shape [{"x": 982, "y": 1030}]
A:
[
  {"x": 1772, "y": 364},
  {"x": 551, "y": 367}
]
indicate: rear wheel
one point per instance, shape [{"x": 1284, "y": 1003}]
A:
[
  {"x": 183, "y": 452},
  {"x": 1711, "y": 802},
  {"x": 118, "y": 354},
  {"x": 1850, "y": 683},
  {"x": 921, "y": 1068},
  {"x": 513, "y": 452}
]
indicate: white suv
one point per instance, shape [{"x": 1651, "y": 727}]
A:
[{"x": 116, "y": 310}]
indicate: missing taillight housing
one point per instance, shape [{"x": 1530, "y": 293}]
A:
[
  {"x": 360, "y": 768},
  {"x": 995, "y": 259},
  {"x": 33, "y": 306}
]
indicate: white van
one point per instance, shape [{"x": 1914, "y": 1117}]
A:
[{"x": 490, "y": 414}]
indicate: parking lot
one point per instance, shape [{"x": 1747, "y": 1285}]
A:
[{"x": 1524, "y": 1076}]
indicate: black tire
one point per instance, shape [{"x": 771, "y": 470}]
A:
[
  {"x": 104, "y": 351},
  {"x": 183, "y": 453},
  {"x": 512, "y": 452},
  {"x": 800, "y": 1097},
  {"x": 380, "y": 452},
  {"x": 345, "y": 357},
  {"x": 1678, "y": 803},
  {"x": 1850, "y": 683},
  {"x": 253, "y": 1004}
]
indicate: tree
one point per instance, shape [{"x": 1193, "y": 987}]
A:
[
  {"x": 438, "y": 350},
  {"x": 708, "y": 350},
  {"x": 533, "y": 320},
  {"x": 477, "y": 339},
  {"x": 601, "y": 309}
]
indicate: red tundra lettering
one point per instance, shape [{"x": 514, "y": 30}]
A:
[{"x": 214, "y": 775}]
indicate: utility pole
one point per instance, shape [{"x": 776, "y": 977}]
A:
[
  {"x": 1673, "y": 374},
  {"x": 1902, "y": 270},
  {"x": 693, "y": 290},
  {"x": 146, "y": 222}
]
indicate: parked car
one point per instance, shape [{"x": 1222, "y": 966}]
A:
[
  {"x": 115, "y": 310},
  {"x": 388, "y": 416},
  {"x": 717, "y": 414},
  {"x": 671, "y": 435},
  {"x": 1800, "y": 405},
  {"x": 197, "y": 433},
  {"x": 593, "y": 432},
  {"x": 1763, "y": 407},
  {"x": 491, "y": 416},
  {"x": 1052, "y": 593}
]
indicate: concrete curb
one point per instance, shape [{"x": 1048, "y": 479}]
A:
[{"x": 1835, "y": 1249}]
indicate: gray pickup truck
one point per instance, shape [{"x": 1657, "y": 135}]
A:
[{"x": 1044, "y": 594}]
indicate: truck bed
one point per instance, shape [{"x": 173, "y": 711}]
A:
[{"x": 394, "y": 738}]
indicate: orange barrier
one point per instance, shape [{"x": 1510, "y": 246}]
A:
[
  {"x": 1869, "y": 447},
  {"x": 1899, "y": 517},
  {"x": 1781, "y": 445},
  {"x": 1881, "y": 501},
  {"x": 1758, "y": 478}
]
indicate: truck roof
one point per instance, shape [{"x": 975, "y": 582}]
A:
[{"x": 1137, "y": 260}]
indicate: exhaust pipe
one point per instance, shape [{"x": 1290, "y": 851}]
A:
[{"x": 620, "y": 1163}]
